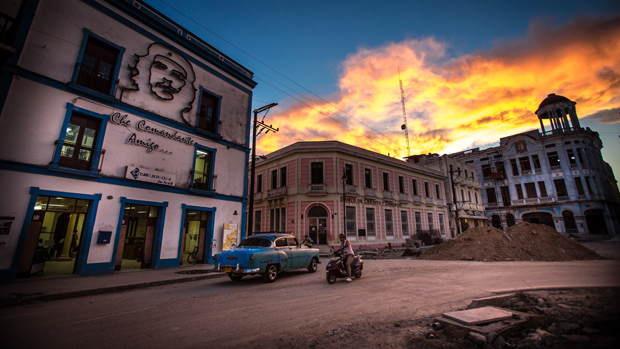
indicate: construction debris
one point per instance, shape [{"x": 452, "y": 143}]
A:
[{"x": 521, "y": 242}]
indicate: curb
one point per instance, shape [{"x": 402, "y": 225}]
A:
[
  {"x": 544, "y": 288},
  {"x": 19, "y": 299}
]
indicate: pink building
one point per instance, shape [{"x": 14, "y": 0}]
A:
[{"x": 299, "y": 189}]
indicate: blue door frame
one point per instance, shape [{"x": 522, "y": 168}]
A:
[{"x": 209, "y": 233}]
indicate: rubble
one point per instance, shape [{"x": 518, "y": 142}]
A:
[{"x": 522, "y": 242}]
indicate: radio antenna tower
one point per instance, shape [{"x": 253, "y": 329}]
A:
[{"x": 404, "y": 126}]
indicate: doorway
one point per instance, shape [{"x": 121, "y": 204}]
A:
[
  {"x": 539, "y": 218},
  {"x": 137, "y": 236},
  {"x": 53, "y": 241},
  {"x": 317, "y": 225},
  {"x": 195, "y": 236},
  {"x": 595, "y": 220}
]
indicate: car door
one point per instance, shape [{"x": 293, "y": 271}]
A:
[
  {"x": 298, "y": 254},
  {"x": 286, "y": 257}
]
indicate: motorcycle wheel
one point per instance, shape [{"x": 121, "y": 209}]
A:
[
  {"x": 358, "y": 274},
  {"x": 331, "y": 277}
]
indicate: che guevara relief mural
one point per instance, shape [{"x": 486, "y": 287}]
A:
[{"x": 162, "y": 81}]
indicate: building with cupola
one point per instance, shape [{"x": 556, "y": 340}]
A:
[
  {"x": 124, "y": 140},
  {"x": 555, "y": 176}
]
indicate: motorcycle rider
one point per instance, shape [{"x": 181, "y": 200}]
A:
[{"x": 347, "y": 250}]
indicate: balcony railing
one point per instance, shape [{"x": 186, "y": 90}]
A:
[
  {"x": 574, "y": 167},
  {"x": 556, "y": 168},
  {"x": 563, "y": 198},
  {"x": 7, "y": 29},
  {"x": 317, "y": 189},
  {"x": 547, "y": 199},
  {"x": 388, "y": 195},
  {"x": 537, "y": 170},
  {"x": 204, "y": 181},
  {"x": 532, "y": 201},
  {"x": 369, "y": 191},
  {"x": 417, "y": 199},
  {"x": 582, "y": 197},
  {"x": 258, "y": 196},
  {"x": 403, "y": 197},
  {"x": 526, "y": 172},
  {"x": 351, "y": 189},
  {"x": 572, "y": 231},
  {"x": 429, "y": 201},
  {"x": 276, "y": 192}
]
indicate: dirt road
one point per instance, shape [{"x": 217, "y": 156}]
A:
[{"x": 292, "y": 312}]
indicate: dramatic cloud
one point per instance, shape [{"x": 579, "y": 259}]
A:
[{"x": 455, "y": 103}]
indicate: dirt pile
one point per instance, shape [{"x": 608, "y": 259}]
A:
[{"x": 521, "y": 242}]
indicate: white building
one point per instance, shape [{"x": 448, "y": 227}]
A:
[{"x": 121, "y": 133}]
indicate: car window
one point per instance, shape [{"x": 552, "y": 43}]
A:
[
  {"x": 255, "y": 241},
  {"x": 281, "y": 243},
  {"x": 292, "y": 242}
]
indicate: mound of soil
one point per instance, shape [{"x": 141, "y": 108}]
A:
[{"x": 521, "y": 242}]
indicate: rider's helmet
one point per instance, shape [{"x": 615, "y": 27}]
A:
[{"x": 341, "y": 235}]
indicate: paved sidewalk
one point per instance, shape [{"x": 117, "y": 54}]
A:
[{"x": 35, "y": 290}]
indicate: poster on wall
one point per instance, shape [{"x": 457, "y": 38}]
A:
[
  {"x": 231, "y": 236},
  {"x": 6, "y": 221}
]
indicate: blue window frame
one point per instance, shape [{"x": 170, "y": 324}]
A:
[
  {"x": 203, "y": 173},
  {"x": 98, "y": 65},
  {"x": 208, "y": 118},
  {"x": 78, "y": 148}
]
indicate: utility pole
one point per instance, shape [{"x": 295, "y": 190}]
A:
[
  {"x": 262, "y": 126},
  {"x": 456, "y": 209},
  {"x": 344, "y": 198},
  {"x": 404, "y": 126}
]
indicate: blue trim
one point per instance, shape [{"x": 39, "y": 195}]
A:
[
  {"x": 216, "y": 58},
  {"x": 210, "y": 231},
  {"x": 157, "y": 239},
  {"x": 119, "y": 59},
  {"x": 94, "y": 164},
  {"x": 168, "y": 263},
  {"x": 6, "y": 78},
  {"x": 89, "y": 223},
  {"x": 211, "y": 168},
  {"x": 42, "y": 170},
  {"x": 120, "y": 106},
  {"x": 217, "y": 114}
]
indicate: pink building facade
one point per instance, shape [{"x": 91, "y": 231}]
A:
[{"x": 300, "y": 189}]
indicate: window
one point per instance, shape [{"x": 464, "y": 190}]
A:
[
  {"x": 79, "y": 144},
  {"x": 579, "y": 186},
  {"x": 283, "y": 219},
  {"x": 437, "y": 191},
  {"x": 351, "y": 227},
  {"x": 367, "y": 178},
  {"x": 442, "y": 227},
  {"x": 536, "y": 162},
  {"x": 418, "y": 222},
  {"x": 588, "y": 185},
  {"x": 554, "y": 160},
  {"x": 486, "y": 170},
  {"x": 560, "y": 187},
  {"x": 543, "y": 189},
  {"x": 571, "y": 156},
  {"x": 259, "y": 183},
  {"x": 281, "y": 243},
  {"x": 469, "y": 196},
  {"x": 506, "y": 195},
  {"x": 257, "y": 221},
  {"x": 476, "y": 195},
  {"x": 519, "y": 191},
  {"x": 465, "y": 173},
  {"x": 530, "y": 189},
  {"x": 404, "y": 222},
  {"x": 415, "y": 187},
  {"x": 386, "y": 181},
  {"x": 431, "y": 226},
  {"x": 271, "y": 220},
  {"x": 426, "y": 190},
  {"x": 389, "y": 224},
  {"x": 371, "y": 229},
  {"x": 277, "y": 219},
  {"x": 580, "y": 156},
  {"x": 401, "y": 184},
  {"x": 316, "y": 173},
  {"x": 274, "y": 179},
  {"x": 515, "y": 168},
  {"x": 525, "y": 164},
  {"x": 283, "y": 177},
  {"x": 491, "y": 197},
  {"x": 348, "y": 170},
  {"x": 98, "y": 64},
  {"x": 462, "y": 196},
  {"x": 203, "y": 169},
  {"x": 552, "y": 145},
  {"x": 209, "y": 112}
]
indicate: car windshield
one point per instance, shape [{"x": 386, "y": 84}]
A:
[{"x": 255, "y": 241}]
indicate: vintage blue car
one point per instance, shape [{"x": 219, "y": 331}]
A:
[{"x": 266, "y": 254}]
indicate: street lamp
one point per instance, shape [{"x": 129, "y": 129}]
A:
[{"x": 344, "y": 207}]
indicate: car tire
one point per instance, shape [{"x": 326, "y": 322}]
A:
[
  {"x": 235, "y": 277},
  {"x": 331, "y": 277},
  {"x": 358, "y": 274},
  {"x": 271, "y": 273},
  {"x": 313, "y": 266}
]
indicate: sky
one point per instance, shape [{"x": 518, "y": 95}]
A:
[{"x": 471, "y": 71}]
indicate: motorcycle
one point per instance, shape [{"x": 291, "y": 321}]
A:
[{"x": 337, "y": 270}]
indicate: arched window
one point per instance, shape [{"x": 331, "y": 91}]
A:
[
  {"x": 496, "y": 222},
  {"x": 569, "y": 222},
  {"x": 510, "y": 220}
]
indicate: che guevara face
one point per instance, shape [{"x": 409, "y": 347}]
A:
[{"x": 167, "y": 77}]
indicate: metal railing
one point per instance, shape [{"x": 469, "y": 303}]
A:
[
  {"x": 574, "y": 167},
  {"x": 351, "y": 189},
  {"x": 563, "y": 198},
  {"x": 388, "y": 194},
  {"x": 7, "y": 29},
  {"x": 275, "y": 192},
  {"x": 369, "y": 191},
  {"x": 317, "y": 188},
  {"x": 556, "y": 168},
  {"x": 204, "y": 181}
]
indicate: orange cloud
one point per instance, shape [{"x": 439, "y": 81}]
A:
[{"x": 455, "y": 103}]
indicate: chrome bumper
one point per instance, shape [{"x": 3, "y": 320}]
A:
[{"x": 235, "y": 269}]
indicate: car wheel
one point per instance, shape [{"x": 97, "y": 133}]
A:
[
  {"x": 235, "y": 277},
  {"x": 331, "y": 277},
  {"x": 313, "y": 265},
  {"x": 358, "y": 274},
  {"x": 271, "y": 273}
]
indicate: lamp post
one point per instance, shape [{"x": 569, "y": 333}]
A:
[
  {"x": 251, "y": 208},
  {"x": 344, "y": 207}
]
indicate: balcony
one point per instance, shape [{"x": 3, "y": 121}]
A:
[
  {"x": 582, "y": 197},
  {"x": 429, "y": 201},
  {"x": 537, "y": 170},
  {"x": 417, "y": 199},
  {"x": 370, "y": 192},
  {"x": 388, "y": 195},
  {"x": 403, "y": 197},
  {"x": 258, "y": 196},
  {"x": 351, "y": 189},
  {"x": 276, "y": 192},
  {"x": 556, "y": 168},
  {"x": 204, "y": 181},
  {"x": 317, "y": 190},
  {"x": 574, "y": 167},
  {"x": 526, "y": 172},
  {"x": 563, "y": 198}
]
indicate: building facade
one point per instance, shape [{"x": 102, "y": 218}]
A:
[
  {"x": 308, "y": 187},
  {"x": 553, "y": 176},
  {"x": 124, "y": 141},
  {"x": 462, "y": 189}
]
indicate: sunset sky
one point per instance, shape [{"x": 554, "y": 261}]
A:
[{"x": 471, "y": 73}]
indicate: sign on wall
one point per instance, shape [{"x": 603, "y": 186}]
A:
[
  {"x": 231, "y": 236},
  {"x": 147, "y": 175}
]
